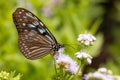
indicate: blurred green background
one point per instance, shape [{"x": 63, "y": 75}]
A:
[{"x": 66, "y": 19}]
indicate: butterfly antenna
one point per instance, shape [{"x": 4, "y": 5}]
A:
[{"x": 73, "y": 46}]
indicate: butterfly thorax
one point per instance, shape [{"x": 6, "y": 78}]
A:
[{"x": 57, "y": 46}]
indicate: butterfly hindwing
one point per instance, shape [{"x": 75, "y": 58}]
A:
[{"x": 34, "y": 46}]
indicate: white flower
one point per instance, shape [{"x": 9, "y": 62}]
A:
[
  {"x": 97, "y": 75},
  {"x": 66, "y": 62},
  {"x": 86, "y": 39},
  {"x": 4, "y": 75},
  {"x": 102, "y": 70},
  {"x": 117, "y": 77},
  {"x": 89, "y": 61},
  {"x": 105, "y": 71},
  {"x": 101, "y": 74},
  {"x": 84, "y": 55}
]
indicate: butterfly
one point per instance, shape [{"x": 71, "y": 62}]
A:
[{"x": 35, "y": 40}]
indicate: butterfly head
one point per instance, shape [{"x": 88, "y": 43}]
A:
[{"x": 57, "y": 46}]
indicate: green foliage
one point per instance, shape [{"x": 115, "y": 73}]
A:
[{"x": 9, "y": 76}]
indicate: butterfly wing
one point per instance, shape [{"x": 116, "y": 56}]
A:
[
  {"x": 25, "y": 20},
  {"x": 34, "y": 46},
  {"x": 35, "y": 40}
]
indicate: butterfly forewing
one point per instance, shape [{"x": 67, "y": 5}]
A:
[
  {"x": 26, "y": 21},
  {"x": 35, "y": 40}
]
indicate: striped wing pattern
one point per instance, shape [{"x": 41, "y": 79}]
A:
[{"x": 34, "y": 46}]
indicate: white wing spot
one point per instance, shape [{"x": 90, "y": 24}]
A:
[
  {"x": 20, "y": 12},
  {"x": 20, "y": 19},
  {"x": 24, "y": 24},
  {"x": 41, "y": 24}
]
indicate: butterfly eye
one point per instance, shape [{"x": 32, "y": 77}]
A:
[{"x": 35, "y": 40}]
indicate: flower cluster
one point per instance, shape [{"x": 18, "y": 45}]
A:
[
  {"x": 66, "y": 62},
  {"x": 86, "y": 39},
  {"x": 4, "y": 75},
  {"x": 67, "y": 65},
  {"x": 85, "y": 56},
  {"x": 9, "y": 76},
  {"x": 101, "y": 74}
]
